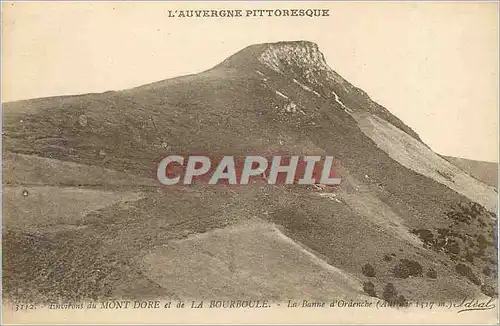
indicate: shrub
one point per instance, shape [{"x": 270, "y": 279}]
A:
[
  {"x": 424, "y": 234},
  {"x": 402, "y": 301},
  {"x": 482, "y": 242},
  {"x": 387, "y": 258},
  {"x": 489, "y": 290},
  {"x": 466, "y": 271},
  {"x": 368, "y": 270},
  {"x": 487, "y": 271},
  {"x": 453, "y": 247},
  {"x": 431, "y": 273},
  {"x": 480, "y": 253},
  {"x": 406, "y": 268},
  {"x": 369, "y": 289},
  {"x": 469, "y": 256},
  {"x": 476, "y": 209},
  {"x": 390, "y": 293}
]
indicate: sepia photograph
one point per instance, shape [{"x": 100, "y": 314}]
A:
[{"x": 274, "y": 162}]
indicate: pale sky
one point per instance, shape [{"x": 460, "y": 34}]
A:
[{"x": 434, "y": 65}]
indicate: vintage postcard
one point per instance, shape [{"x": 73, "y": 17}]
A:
[{"x": 250, "y": 162}]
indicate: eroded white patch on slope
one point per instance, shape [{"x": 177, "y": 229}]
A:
[
  {"x": 337, "y": 99},
  {"x": 260, "y": 73},
  {"x": 416, "y": 156},
  {"x": 281, "y": 94},
  {"x": 306, "y": 87}
]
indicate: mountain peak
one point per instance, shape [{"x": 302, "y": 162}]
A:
[
  {"x": 299, "y": 46},
  {"x": 273, "y": 53},
  {"x": 302, "y": 59},
  {"x": 283, "y": 55},
  {"x": 304, "y": 62}
]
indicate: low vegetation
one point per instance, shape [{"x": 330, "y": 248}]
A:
[
  {"x": 431, "y": 273},
  {"x": 369, "y": 289},
  {"x": 390, "y": 294},
  {"x": 466, "y": 271},
  {"x": 368, "y": 270},
  {"x": 470, "y": 241},
  {"x": 406, "y": 268}
]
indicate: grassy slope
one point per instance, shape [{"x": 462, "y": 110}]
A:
[{"x": 35, "y": 170}]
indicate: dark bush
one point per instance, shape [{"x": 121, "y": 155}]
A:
[
  {"x": 431, "y": 273},
  {"x": 458, "y": 217},
  {"x": 368, "y": 270},
  {"x": 402, "y": 301},
  {"x": 482, "y": 242},
  {"x": 466, "y": 271},
  {"x": 469, "y": 256},
  {"x": 470, "y": 243},
  {"x": 476, "y": 209},
  {"x": 369, "y": 289},
  {"x": 489, "y": 290},
  {"x": 424, "y": 234},
  {"x": 387, "y": 258},
  {"x": 406, "y": 268},
  {"x": 487, "y": 271},
  {"x": 390, "y": 293},
  {"x": 480, "y": 253},
  {"x": 453, "y": 247}
]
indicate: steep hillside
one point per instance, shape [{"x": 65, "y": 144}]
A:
[{"x": 413, "y": 218}]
